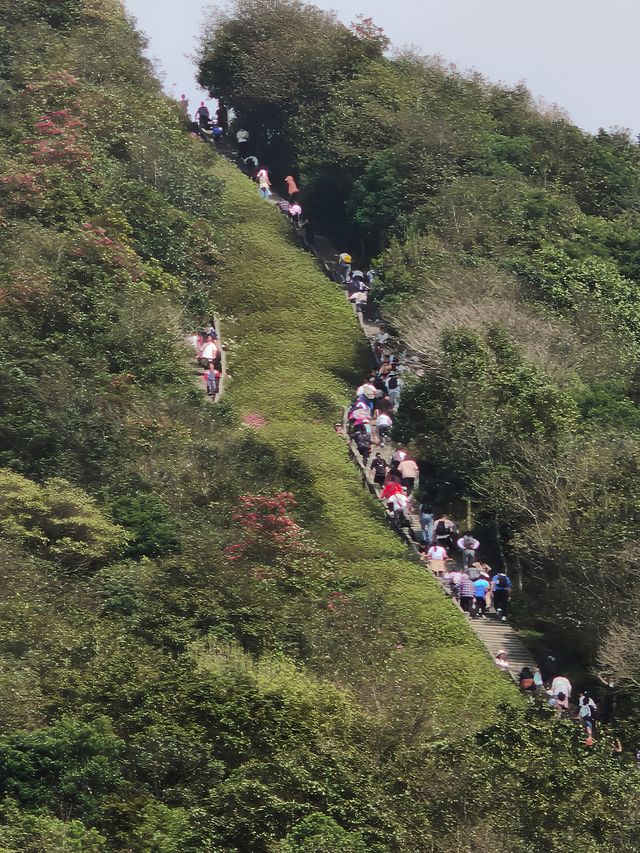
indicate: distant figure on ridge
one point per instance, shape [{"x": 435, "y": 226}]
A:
[{"x": 202, "y": 114}]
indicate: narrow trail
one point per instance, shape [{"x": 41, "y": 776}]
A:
[{"x": 495, "y": 635}]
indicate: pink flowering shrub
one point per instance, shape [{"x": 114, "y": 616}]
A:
[{"x": 58, "y": 141}]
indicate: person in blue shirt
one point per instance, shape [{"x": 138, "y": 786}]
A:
[
  {"x": 480, "y": 587},
  {"x": 501, "y": 592}
]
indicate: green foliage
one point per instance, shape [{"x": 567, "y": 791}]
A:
[
  {"x": 151, "y": 530},
  {"x": 321, "y": 834},
  {"x": 58, "y": 521}
]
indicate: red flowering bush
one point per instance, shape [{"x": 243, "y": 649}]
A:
[{"x": 269, "y": 534}]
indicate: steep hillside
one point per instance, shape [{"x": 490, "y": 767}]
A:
[
  {"x": 209, "y": 640},
  {"x": 507, "y": 244}
]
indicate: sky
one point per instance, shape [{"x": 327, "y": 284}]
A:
[{"x": 579, "y": 54}]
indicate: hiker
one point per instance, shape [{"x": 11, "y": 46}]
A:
[
  {"x": 216, "y": 132},
  {"x": 367, "y": 393},
  {"x": 338, "y": 428},
  {"x": 426, "y": 519},
  {"x": 585, "y": 699},
  {"x": 399, "y": 504},
  {"x": 437, "y": 558},
  {"x": 393, "y": 389},
  {"x": 209, "y": 352},
  {"x": 292, "y": 187},
  {"x": 481, "y": 587},
  {"x": 212, "y": 380},
  {"x": 548, "y": 668},
  {"x": 537, "y": 679},
  {"x": 391, "y": 487},
  {"x": 295, "y": 212},
  {"x": 222, "y": 115},
  {"x": 560, "y": 703},
  {"x": 264, "y": 184},
  {"x": 384, "y": 423},
  {"x": 202, "y": 115},
  {"x": 211, "y": 330},
  {"x": 468, "y": 545},
  {"x": 501, "y": 660},
  {"x": 561, "y": 684},
  {"x": 251, "y": 164},
  {"x": 409, "y": 471},
  {"x": 501, "y": 593},
  {"x": 467, "y": 595},
  {"x": 363, "y": 443},
  {"x": 379, "y": 467},
  {"x": 525, "y": 680},
  {"x": 359, "y": 301},
  {"x": 455, "y": 579},
  {"x": 242, "y": 138},
  {"x": 397, "y": 457},
  {"x": 343, "y": 270},
  {"x": 585, "y": 716},
  {"x": 184, "y": 104},
  {"x": 443, "y": 531}
]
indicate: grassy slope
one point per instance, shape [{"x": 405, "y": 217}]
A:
[{"x": 295, "y": 336}]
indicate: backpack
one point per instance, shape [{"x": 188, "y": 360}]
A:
[
  {"x": 503, "y": 582},
  {"x": 441, "y": 529},
  {"x": 468, "y": 543}
]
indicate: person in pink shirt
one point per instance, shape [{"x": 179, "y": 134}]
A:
[
  {"x": 295, "y": 212},
  {"x": 409, "y": 471}
]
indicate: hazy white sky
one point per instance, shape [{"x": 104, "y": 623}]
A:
[{"x": 581, "y": 54}]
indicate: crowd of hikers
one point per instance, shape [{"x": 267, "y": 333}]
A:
[{"x": 450, "y": 553}]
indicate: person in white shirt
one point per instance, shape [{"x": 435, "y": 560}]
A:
[
  {"x": 468, "y": 545},
  {"x": 399, "y": 505},
  {"x": 359, "y": 300},
  {"x": 561, "y": 684},
  {"x": 397, "y": 457},
  {"x": 209, "y": 351},
  {"x": 436, "y": 558},
  {"x": 243, "y": 138},
  {"x": 384, "y": 423}
]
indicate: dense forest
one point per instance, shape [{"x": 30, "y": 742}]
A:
[
  {"x": 507, "y": 242},
  {"x": 209, "y": 638}
]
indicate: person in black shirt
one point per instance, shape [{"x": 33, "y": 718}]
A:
[{"x": 379, "y": 467}]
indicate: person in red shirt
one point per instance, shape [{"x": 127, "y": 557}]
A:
[{"x": 391, "y": 487}]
